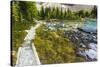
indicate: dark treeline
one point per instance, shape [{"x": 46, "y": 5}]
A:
[
  {"x": 23, "y": 14},
  {"x": 59, "y": 13}
]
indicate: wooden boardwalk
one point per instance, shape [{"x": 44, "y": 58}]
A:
[{"x": 27, "y": 55}]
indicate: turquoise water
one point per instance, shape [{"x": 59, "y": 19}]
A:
[{"x": 90, "y": 26}]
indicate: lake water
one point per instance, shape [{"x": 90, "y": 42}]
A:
[{"x": 90, "y": 26}]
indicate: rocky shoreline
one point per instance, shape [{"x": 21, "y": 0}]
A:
[
  {"x": 86, "y": 43},
  {"x": 84, "y": 40}
]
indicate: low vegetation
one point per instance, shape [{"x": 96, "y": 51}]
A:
[{"x": 52, "y": 47}]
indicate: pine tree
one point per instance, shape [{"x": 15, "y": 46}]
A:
[
  {"x": 57, "y": 13},
  {"x": 65, "y": 14},
  {"x": 94, "y": 12},
  {"x": 61, "y": 14},
  {"x": 69, "y": 14},
  {"x": 87, "y": 14},
  {"x": 42, "y": 12},
  {"x": 81, "y": 13},
  {"x": 53, "y": 13}
]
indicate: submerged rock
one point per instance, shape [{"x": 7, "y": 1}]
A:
[
  {"x": 87, "y": 30},
  {"x": 89, "y": 54},
  {"x": 82, "y": 45},
  {"x": 93, "y": 46},
  {"x": 92, "y": 54}
]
